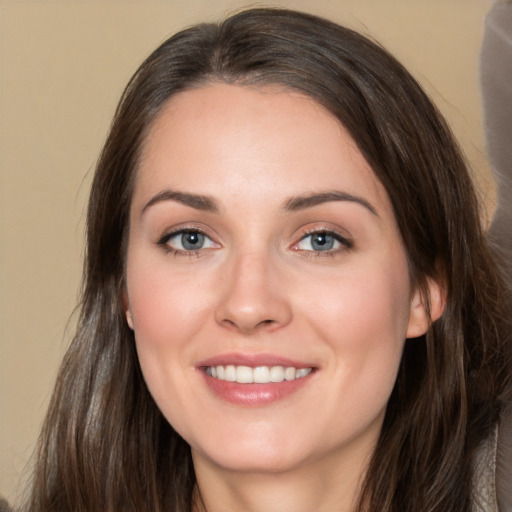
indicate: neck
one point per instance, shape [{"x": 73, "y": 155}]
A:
[{"x": 323, "y": 487}]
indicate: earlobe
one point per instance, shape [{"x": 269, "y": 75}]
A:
[
  {"x": 129, "y": 319},
  {"x": 419, "y": 317},
  {"x": 127, "y": 311}
]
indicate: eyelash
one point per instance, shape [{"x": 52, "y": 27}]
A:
[
  {"x": 164, "y": 242},
  {"x": 346, "y": 244}
]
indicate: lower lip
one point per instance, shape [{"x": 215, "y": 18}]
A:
[{"x": 253, "y": 394}]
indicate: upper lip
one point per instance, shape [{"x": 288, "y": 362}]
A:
[{"x": 252, "y": 360}]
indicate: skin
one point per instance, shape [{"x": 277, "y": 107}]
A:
[{"x": 256, "y": 287}]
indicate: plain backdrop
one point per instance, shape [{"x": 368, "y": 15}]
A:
[{"x": 63, "y": 66}]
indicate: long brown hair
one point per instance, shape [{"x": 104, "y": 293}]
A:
[{"x": 105, "y": 445}]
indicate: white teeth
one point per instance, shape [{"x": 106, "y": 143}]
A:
[
  {"x": 244, "y": 375},
  {"x": 289, "y": 373},
  {"x": 276, "y": 374},
  {"x": 230, "y": 373},
  {"x": 302, "y": 372},
  {"x": 259, "y": 374}
]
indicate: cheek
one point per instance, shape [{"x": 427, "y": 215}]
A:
[
  {"x": 355, "y": 304},
  {"x": 364, "y": 321},
  {"x": 165, "y": 305},
  {"x": 168, "y": 311}
]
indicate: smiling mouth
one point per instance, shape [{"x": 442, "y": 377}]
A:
[{"x": 256, "y": 375}]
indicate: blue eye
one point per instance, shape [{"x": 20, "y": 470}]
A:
[
  {"x": 322, "y": 241},
  {"x": 191, "y": 240},
  {"x": 187, "y": 240}
]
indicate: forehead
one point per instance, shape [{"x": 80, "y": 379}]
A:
[{"x": 226, "y": 139}]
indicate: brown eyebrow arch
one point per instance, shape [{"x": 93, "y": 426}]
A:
[
  {"x": 310, "y": 200},
  {"x": 199, "y": 202}
]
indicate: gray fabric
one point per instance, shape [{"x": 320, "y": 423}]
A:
[
  {"x": 496, "y": 82},
  {"x": 504, "y": 464},
  {"x": 4, "y": 506},
  {"x": 484, "y": 478}
]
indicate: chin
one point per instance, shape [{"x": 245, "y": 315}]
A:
[
  {"x": 253, "y": 461},
  {"x": 261, "y": 452}
]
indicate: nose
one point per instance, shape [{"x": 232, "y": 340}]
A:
[{"x": 254, "y": 296}]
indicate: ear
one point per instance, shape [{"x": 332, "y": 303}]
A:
[
  {"x": 127, "y": 311},
  {"x": 419, "y": 318}
]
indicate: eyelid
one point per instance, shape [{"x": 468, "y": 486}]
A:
[
  {"x": 346, "y": 243},
  {"x": 163, "y": 240}
]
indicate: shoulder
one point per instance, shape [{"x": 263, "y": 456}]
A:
[
  {"x": 4, "y": 506},
  {"x": 492, "y": 484},
  {"x": 484, "y": 475},
  {"x": 504, "y": 462}
]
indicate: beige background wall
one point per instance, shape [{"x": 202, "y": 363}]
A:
[{"x": 63, "y": 66}]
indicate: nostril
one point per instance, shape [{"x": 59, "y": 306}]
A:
[
  {"x": 248, "y": 326},
  {"x": 266, "y": 325},
  {"x": 250, "y": 304}
]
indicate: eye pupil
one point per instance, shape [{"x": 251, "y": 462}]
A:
[
  {"x": 192, "y": 240},
  {"x": 322, "y": 242}
]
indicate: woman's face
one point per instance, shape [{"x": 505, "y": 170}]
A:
[{"x": 262, "y": 247}]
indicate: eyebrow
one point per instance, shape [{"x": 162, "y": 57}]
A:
[
  {"x": 310, "y": 200},
  {"x": 208, "y": 204},
  {"x": 199, "y": 202}
]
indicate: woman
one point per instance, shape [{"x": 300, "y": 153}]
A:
[{"x": 283, "y": 306}]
